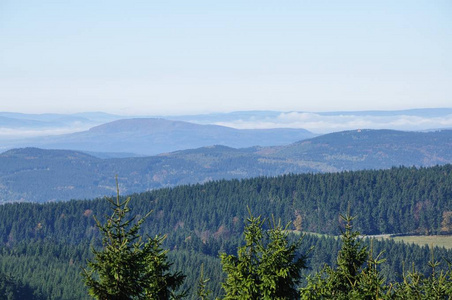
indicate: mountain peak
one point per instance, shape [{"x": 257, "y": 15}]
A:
[{"x": 143, "y": 125}]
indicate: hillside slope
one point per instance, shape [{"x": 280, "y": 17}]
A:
[
  {"x": 372, "y": 149},
  {"x": 150, "y": 136},
  {"x": 52, "y": 240},
  {"x": 38, "y": 175}
]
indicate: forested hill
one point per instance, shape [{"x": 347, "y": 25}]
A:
[
  {"x": 32, "y": 174},
  {"x": 45, "y": 244},
  {"x": 372, "y": 149},
  {"x": 398, "y": 200}
]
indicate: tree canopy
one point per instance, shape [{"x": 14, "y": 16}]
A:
[
  {"x": 126, "y": 267},
  {"x": 266, "y": 267}
]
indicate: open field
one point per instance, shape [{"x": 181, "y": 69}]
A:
[
  {"x": 298, "y": 232},
  {"x": 421, "y": 240},
  {"x": 435, "y": 240}
]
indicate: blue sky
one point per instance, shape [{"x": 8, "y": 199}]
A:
[{"x": 182, "y": 57}]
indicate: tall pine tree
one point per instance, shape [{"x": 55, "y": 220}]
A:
[
  {"x": 126, "y": 267},
  {"x": 266, "y": 267}
]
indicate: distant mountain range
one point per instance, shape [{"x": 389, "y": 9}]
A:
[
  {"x": 257, "y": 115},
  {"x": 15, "y": 126},
  {"x": 22, "y": 121},
  {"x": 32, "y": 174},
  {"x": 150, "y": 136}
]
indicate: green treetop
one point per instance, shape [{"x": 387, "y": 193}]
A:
[
  {"x": 126, "y": 267},
  {"x": 266, "y": 267},
  {"x": 351, "y": 279}
]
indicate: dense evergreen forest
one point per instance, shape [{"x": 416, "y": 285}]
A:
[
  {"x": 12, "y": 289},
  {"x": 44, "y": 245}
]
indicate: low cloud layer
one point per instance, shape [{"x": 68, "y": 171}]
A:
[
  {"x": 20, "y": 133},
  {"x": 415, "y": 120},
  {"x": 322, "y": 123}
]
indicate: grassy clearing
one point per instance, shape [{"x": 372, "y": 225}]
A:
[
  {"x": 297, "y": 232},
  {"x": 435, "y": 240},
  {"x": 421, "y": 240}
]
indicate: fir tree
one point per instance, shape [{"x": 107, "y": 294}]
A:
[
  {"x": 126, "y": 267},
  {"x": 202, "y": 292},
  {"x": 349, "y": 280},
  {"x": 438, "y": 285},
  {"x": 266, "y": 267}
]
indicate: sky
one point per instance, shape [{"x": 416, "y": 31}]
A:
[{"x": 186, "y": 57}]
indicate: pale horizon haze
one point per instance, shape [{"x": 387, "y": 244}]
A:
[{"x": 187, "y": 57}]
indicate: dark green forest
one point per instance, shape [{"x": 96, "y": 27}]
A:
[{"x": 43, "y": 246}]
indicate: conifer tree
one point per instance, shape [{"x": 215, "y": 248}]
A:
[
  {"x": 350, "y": 258},
  {"x": 266, "y": 267},
  {"x": 350, "y": 279},
  {"x": 126, "y": 267},
  {"x": 202, "y": 292},
  {"x": 438, "y": 285}
]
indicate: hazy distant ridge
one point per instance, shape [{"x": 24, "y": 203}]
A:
[
  {"x": 32, "y": 174},
  {"x": 150, "y": 136}
]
